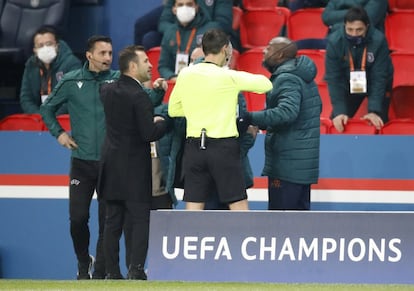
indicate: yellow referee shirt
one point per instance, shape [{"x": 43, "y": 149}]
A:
[{"x": 206, "y": 95}]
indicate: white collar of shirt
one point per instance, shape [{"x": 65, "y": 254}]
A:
[{"x": 137, "y": 81}]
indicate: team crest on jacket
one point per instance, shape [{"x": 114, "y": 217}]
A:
[
  {"x": 199, "y": 38},
  {"x": 370, "y": 57},
  {"x": 209, "y": 2},
  {"x": 59, "y": 76},
  {"x": 80, "y": 84},
  {"x": 75, "y": 182}
]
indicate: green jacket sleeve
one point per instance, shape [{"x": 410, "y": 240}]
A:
[
  {"x": 283, "y": 103},
  {"x": 246, "y": 140},
  {"x": 166, "y": 62},
  {"x": 27, "y": 100},
  {"x": 378, "y": 76},
  {"x": 155, "y": 95},
  {"x": 337, "y": 81},
  {"x": 49, "y": 108}
]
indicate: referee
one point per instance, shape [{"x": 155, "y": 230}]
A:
[{"x": 206, "y": 94}]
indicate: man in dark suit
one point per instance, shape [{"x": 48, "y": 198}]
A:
[{"x": 125, "y": 172}]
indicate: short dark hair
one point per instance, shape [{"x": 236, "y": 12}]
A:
[
  {"x": 128, "y": 54},
  {"x": 90, "y": 45},
  {"x": 213, "y": 40},
  {"x": 356, "y": 13},
  {"x": 46, "y": 29}
]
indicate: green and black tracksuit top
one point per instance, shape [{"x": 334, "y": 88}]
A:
[{"x": 79, "y": 89}]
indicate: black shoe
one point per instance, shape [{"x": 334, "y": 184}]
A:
[
  {"x": 114, "y": 276},
  {"x": 84, "y": 269},
  {"x": 136, "y": 272},
  {"x": 99, "y": 272},
  {"x": 98, "y": 275}
]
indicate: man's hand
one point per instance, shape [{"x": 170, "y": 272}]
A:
[
  {"x": 374, "y": 119},
  {"x": 173, "y": 79},
  {"x": 67, "y": 141},
  {"x": 160, "y": 83},
  {"x": 253, "y": 130},
  {"x": 339, "y": 122},
  {"x": 243, "y": 122}
]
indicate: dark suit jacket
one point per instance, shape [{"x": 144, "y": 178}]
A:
[{"x": 125, "y": 172}]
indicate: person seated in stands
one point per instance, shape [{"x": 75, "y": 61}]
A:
[
  {"x": 51, "y": 59},
  {"x": 334, "y": 12},
  {"x": 182, "y": 37},
  {"x": 218, "y": 12},
  {"x": 150, "y": 27}
]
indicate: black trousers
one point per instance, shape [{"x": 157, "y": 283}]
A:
[
  {"x": 137, "y": 215},
  {"x": 83, "y": 181}
]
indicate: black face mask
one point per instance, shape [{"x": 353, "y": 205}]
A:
[{"x": 355, "y": 40}]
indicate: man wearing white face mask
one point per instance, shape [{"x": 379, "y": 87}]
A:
[
  {"x": 181, "y": 38},
  {"x": 51, "y": 59}
]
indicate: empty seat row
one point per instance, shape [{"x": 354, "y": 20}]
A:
[
  {"x": 31, "y": 122},
  {"x": 258, "y": 27},
  {"x": 393, "y": 5},
  {"x": 362, "y": 127}
]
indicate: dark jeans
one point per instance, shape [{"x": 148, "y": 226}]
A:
[
  {"x": 83, "y": 181},
  {"x": 284, "y": 195}
]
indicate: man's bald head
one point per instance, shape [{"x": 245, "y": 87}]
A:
[
  {"x": 279, "y": 50},
  {"x": 285, "y": 46}
]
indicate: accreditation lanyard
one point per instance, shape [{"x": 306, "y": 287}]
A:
[
  {"x": 44, "y": 92},
  {"x": 182, "y": 58},
  {"x": 358, "y": 78}
]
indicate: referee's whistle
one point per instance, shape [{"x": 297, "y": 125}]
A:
[{"x": 203, "y": 139}]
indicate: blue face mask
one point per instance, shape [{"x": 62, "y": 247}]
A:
[{"x": 355, "y": 40}]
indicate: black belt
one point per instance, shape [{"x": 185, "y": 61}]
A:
[{"x": 209, "y": 138}]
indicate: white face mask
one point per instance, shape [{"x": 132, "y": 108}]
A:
[
  {"x": 47, "y": 54},
  {"x": 186, "y": 14}
]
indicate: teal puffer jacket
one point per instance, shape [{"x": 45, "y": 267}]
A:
[{"x": 292, "y": 123}]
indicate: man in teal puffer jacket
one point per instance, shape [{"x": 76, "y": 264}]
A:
[
  {"x": 52, "y": 58},
  {"x": 292, "y": 123},
  {"x": 80, "y": 91},
  {"x": 358, "y": 66}
]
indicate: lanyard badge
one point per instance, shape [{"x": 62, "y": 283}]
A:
[
  {"x": 358, "y": 82},
  {"x": 358, "y": 78}
]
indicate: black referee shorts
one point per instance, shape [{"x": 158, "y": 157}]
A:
[{"x": 217, "y": 168}]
